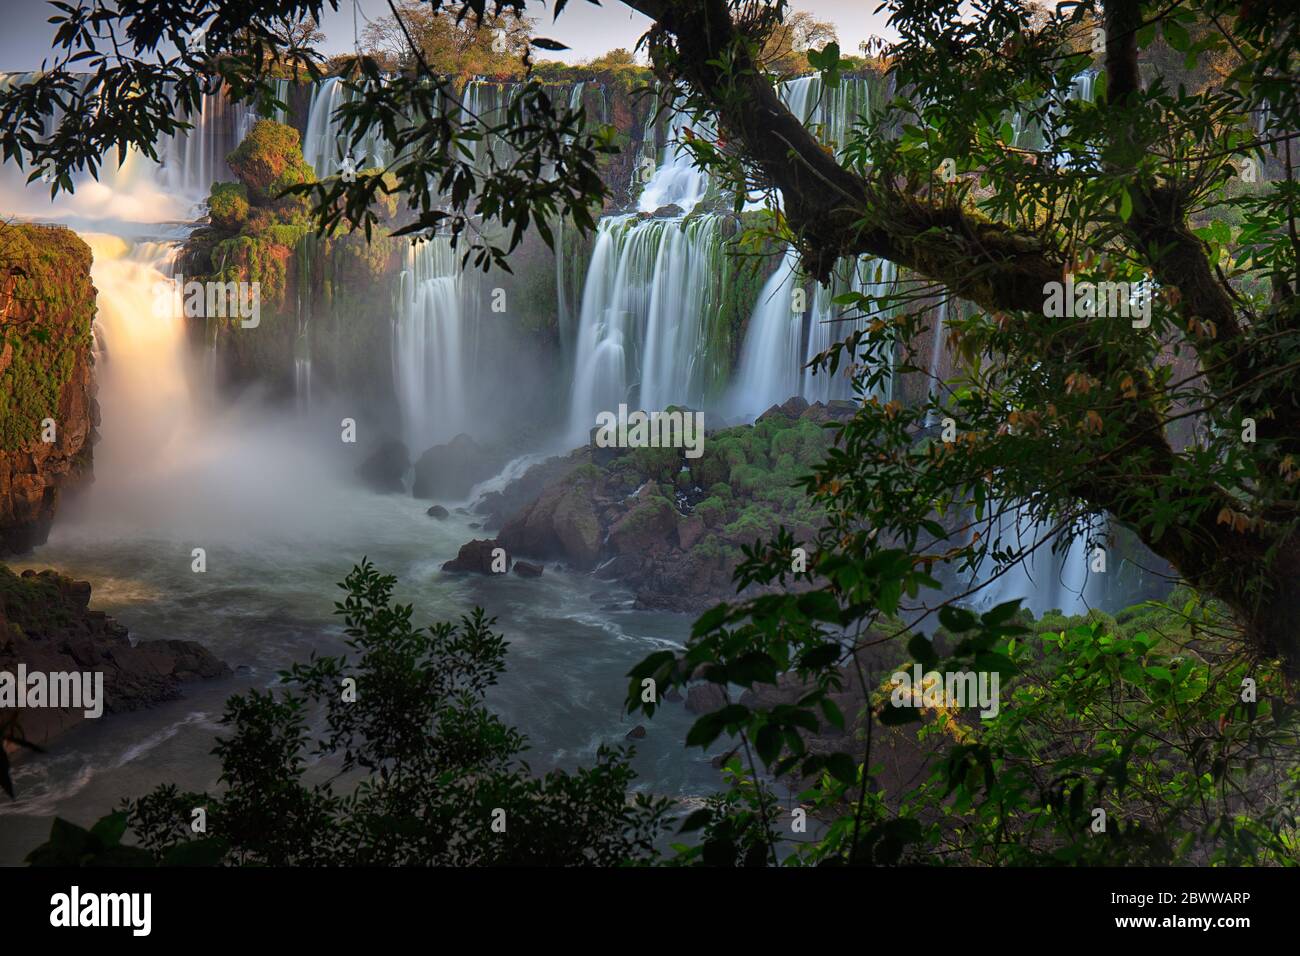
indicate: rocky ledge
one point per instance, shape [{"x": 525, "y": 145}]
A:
[
  {"x": 48, "y": 412},
  {"x": 47, "y": 625},
  {"x": 668, "y": 527}
]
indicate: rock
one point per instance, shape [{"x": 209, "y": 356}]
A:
[
  {"x": 637, "y": 733},
  {"x": 527, "y": 569},
  {"x": 669, "y": 211},
  {"x": 562, "y": 523},
  {"x": 689, "y": 531},
  {"x": 651, "y": 523},
  {"x": 385, "y": 468},
  {"x": 705, "y": 698},
  {"x": 450, "y": 471},
  {"x": 834, "y": 411},
  {"x": 476, "y": 557},
  {"x": 46, "y": 371},
  {"x": 48, "y": 628},
  {"x": 438, "y": 511},
  {"x": 792, "y": 409}
]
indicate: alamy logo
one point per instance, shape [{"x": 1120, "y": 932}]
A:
[
  {"x": 68, "y": 690},
  {"x": 951, "y": 689},
  {"x": 675, "y": 429},
  {"x": 219, "y": 300},
  {"x": 1083, "y": 300},
  {"x": 72, "y": 909}
]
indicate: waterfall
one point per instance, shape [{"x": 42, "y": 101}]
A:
[
  {"x": 936, "y": 360},
  {"x": 1046, "y": 579},
  {"x": 770, "y": 360},
  {"x": 144, "y": 370},
  {"x": 773, "y": 365},
  {"x": 830, "y": 325},
  {"x": 138, "y": 189},
  {"x": 676, "y": 180},
  {"x": 428, "y": 354},
  {"x": 305, "y": 253},
  {"x": 196, "y": 158},
  {"x": 323, "y": 145},
  {"x": 651, "y": 292},
  {"x": 830, "y": 112}
]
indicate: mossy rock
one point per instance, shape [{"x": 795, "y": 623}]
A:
[
  {"x": 270, "y": 160},
  {"x": 46, "y": 311},
  {"x": 228, "y": 205}
]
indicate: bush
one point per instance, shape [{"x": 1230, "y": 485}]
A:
[
  {"x": 404, "y": 712},
  {"x": 228, "y": 205}
]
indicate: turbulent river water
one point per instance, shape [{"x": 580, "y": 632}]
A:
[{"x": 271, "y": 499}]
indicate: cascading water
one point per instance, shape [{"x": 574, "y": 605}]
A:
[
  {"x": 830, "y": 112},
  {"x": 196, "y": 158},
  {"x": 776, "y": 353},
  {"x": 273, "y": 502},
  {"x": 768, "y": 372},
  {"x": 324, "y": 146},
  {"x": 831, "y": 323},
  {"x": 776, "y": 350},
  {"x": 139, "y": 190},
  {"x": 1049, "y": 578},
  {"x": 936, "y": 359},
  {"x": 642, "y": 334},
  {"x": 677, "y": 181},
  {"x": 428, "y": 355}
]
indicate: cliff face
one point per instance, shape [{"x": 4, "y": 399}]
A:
[{"x": 48, "y": 411}]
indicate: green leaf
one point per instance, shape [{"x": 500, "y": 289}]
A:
[
  {"x": 1176, "y": 36},
  {"x": 110, "y": 829},
  {"x": 957, "y": 619},
  {"x": 1125, "y": 205},
  {"x": 842, "y": 768},
  {"x": 696, "y": 820},
  {"x": 921, "y": 649},
  {"x": 209, "y": 852}
]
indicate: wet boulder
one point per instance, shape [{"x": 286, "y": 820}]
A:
[
  {"x": 448, "y": 472},
  {"x": 384, "y": 469}
]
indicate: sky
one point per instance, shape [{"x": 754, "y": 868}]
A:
[{"x": 587, "y": 29}]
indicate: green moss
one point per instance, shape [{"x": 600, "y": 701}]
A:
[
  {"x": 714, "y": 510},
  {"x": 268, "y": 160},
  {"x": 228, "y": 205},
  {"x": 35, "y": 603},
  {"x": 46, "y": 311},
  {"x": 661, "y": 464}
]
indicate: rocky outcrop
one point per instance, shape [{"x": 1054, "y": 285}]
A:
[
  {"x": 48, "y": 411},
  {"x": 476, "y": 557},
  {"x": 669, "y": 527},
  {"x": 384, "y": 469},
  {"x": 325, "y": 314},
  {"x": 46, "y": 624},
  {"x": 564, "y": 521},
  {"x": 450, "y": 471},
  {"x": 528, "y": 569},
  {"x": 499, "y": 506}
]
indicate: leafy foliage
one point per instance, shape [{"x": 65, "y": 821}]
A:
[{"x": 430, "y": 768}]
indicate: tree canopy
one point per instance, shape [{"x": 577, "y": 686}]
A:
[{"x": 993, "y": 186}]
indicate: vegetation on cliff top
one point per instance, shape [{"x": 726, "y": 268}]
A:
[{"x": 47, "y": 304}]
